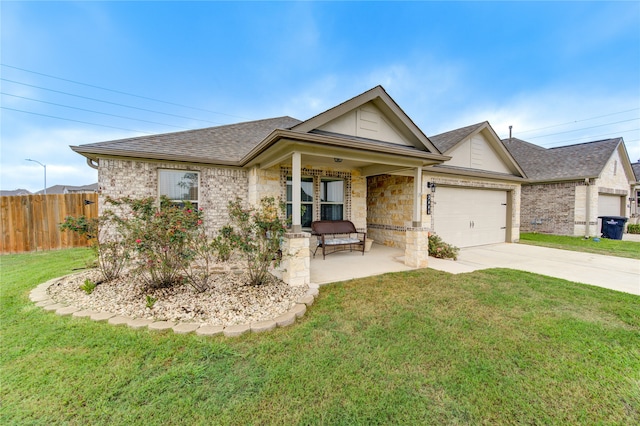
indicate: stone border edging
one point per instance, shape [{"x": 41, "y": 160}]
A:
[{"x": 42, "y": 299}]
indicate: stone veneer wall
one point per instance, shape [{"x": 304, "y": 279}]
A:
[
  {"x": 389, "y": 209},
  {"x": 264, "y": 183},
  {"x": 549, "y": 208},
  {"x": 136, "y": 178}
]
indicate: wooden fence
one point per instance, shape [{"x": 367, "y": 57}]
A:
[{"x": 31, "y": 222}]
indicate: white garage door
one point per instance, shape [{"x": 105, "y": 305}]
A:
[
  {"x": 609, "y": 205},
  {"x": 468, "y": 217}
]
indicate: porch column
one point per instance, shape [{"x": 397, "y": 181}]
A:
[
  {"x": 296, "y": 190},
  {"x": 296, "y": 259},
  {"x": 416, "y": 252},
  {"x": 417, "y": 197}
]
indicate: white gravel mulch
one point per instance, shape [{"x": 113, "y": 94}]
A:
[{"x": 228, "y": 301}]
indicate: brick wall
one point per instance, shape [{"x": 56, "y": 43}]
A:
[
  {"x": 548, "y": 208},
  {"x": 137, "y": 179}
]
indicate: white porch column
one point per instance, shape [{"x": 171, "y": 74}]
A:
[
  {"x": 296, "y": 190},
  {"x": 417, "y": 197}
]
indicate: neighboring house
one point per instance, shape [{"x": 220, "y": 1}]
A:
[
  {"x": 635, "y": 194},
  {"x": 570, "y": 186},
  {"x": 14, "y": 192},
  {"x": 69, "y": 189},
  {"x": 363, "y": 160}
]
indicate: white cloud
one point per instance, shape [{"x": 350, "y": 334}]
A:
[{"x": 50, "y": 147}]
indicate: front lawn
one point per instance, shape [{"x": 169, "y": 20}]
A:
[
  {"x": 421, "y": 347},
  {"x": 630, "y": 249}
]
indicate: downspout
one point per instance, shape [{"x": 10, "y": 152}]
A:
[
  {"x": 587, "y": 228},
  {"x": 91, "y": 163}
]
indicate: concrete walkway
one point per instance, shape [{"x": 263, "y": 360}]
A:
[
  {"x": 615, "y": 273},
  {"x": 347, "y": 265}
]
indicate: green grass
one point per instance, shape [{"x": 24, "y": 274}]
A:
[
  {"x": 421, "y": 347},
  {"x": 630, "y": 249}
]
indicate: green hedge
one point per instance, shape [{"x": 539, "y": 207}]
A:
[{"x": 633, "y": 228}]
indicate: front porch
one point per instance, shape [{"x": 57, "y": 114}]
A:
[{"x": 347, "y": 265}]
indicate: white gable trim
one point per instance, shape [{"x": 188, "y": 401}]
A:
[
  {"x": 386, "y": 105},
  {"x": 499, "y": 151}
]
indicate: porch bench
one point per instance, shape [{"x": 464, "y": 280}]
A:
[{"x": 337, "y": 235}]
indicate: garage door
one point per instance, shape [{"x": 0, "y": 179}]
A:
[
  {"x": 468, "y": 217},
  {"x": 609, "y": 205}
]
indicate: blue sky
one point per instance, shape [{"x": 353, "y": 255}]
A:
[{"x": 560, "y": 72}]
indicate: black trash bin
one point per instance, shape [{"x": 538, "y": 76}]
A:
[{"x": 612, "y": 227}]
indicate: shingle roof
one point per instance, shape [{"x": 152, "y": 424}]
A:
[
  {"x": 446, "y": 141},
  {"x": 10, "y": 193},
  {"x": 636, "y": 170},
  {"x": 228, "y": 143},
  {"x": 66, "y": 189},
  {"x": 585, "y": 160}
]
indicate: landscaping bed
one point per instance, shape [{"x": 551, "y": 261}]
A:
[{"x": 228, "y": 300}]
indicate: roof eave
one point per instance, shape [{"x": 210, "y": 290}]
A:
[
  {"x": 334, "y": 141},
  {"x": 444, "y": 169},
  {"x": 94, "y": 153}
]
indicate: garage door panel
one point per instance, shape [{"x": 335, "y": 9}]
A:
[
  {"x": 609, "y": 205},
  {"x": 467, "y": 217}
]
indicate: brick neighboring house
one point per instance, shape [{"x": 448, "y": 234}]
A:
[
  {"x": 570, "y": 186},
  {"x": 363, "y": 160}
]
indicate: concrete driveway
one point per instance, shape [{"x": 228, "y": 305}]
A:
[{"x": 615, "y": 273}]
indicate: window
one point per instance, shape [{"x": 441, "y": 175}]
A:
[
  {"x": 179, "y": 186},
  {"x": 331, "y": 199},
  {"x": 324, "y": 202},
  {"x": 306, "y": 198}
]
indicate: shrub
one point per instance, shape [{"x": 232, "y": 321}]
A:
[
  {"x": 162, "y": 238},
  {"x": 107, "y": 242},
  {"x": 442, "y": 250},
  {"x": 633, "y": 228},
  {"x": 88, "y": 286},
  {"x": 256, "y": 234},
  {"x": 199, "y": 256},
  {"x": 150, "y": 301}
]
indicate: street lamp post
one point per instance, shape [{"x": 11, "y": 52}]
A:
[{"x": 45, "y": 173}]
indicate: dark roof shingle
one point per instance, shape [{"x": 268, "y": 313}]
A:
[
  {"x": 585, "y": 160},
  {"x": 446, "y": 141},
  {"x": 636, "y": 170},
  {"x": 228, "y": 143}
]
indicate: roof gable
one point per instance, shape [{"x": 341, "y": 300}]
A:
[
  {"x": 572, "y": 162},
  {"x": 372, "y": 115},
  {"x": 476, "y": 147}
]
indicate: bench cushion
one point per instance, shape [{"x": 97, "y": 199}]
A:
[{"x": 338, "y": 241}]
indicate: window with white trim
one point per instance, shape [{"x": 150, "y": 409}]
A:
[
  {"x": 179, "y": 186},
  {"x": 306, "y": 199},
  {"x": 331, "y": 199},
  {"x": 321, "y": 198}
]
